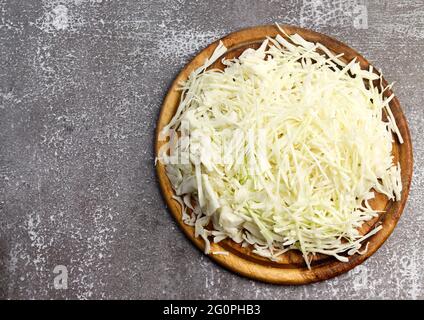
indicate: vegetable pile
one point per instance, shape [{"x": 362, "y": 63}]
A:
[{"x": 282, "y": 150}]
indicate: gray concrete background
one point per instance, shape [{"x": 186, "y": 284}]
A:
[{"x": 81, "y": 84}]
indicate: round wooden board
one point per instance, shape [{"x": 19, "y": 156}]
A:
[{"x": 290, "y": 268}]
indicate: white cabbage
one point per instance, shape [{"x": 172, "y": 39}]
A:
[{"x": 285, "y": 146}]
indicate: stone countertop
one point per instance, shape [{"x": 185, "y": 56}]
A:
[{"x": 81, "y": 85}]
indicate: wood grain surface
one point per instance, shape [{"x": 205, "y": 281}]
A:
[{"x": 290, "y": 267}]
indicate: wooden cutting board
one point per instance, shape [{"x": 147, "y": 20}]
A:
[{"x": 290, "y": 267}]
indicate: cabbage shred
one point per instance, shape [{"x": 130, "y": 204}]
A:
[{"x": 282, "y": 150}]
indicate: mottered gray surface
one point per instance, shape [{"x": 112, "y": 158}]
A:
[{"x": 81, "y": 85}]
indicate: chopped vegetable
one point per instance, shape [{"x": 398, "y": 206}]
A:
[{"x": 282, "y": 150}]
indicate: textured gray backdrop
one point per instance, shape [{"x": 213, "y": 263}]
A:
[{"x": 81, "y": 84}]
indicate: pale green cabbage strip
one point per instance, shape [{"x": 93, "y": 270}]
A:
[{"x": 284, "y": 147}]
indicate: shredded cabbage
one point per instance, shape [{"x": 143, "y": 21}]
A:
[{"x": 282, "y": 150}]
